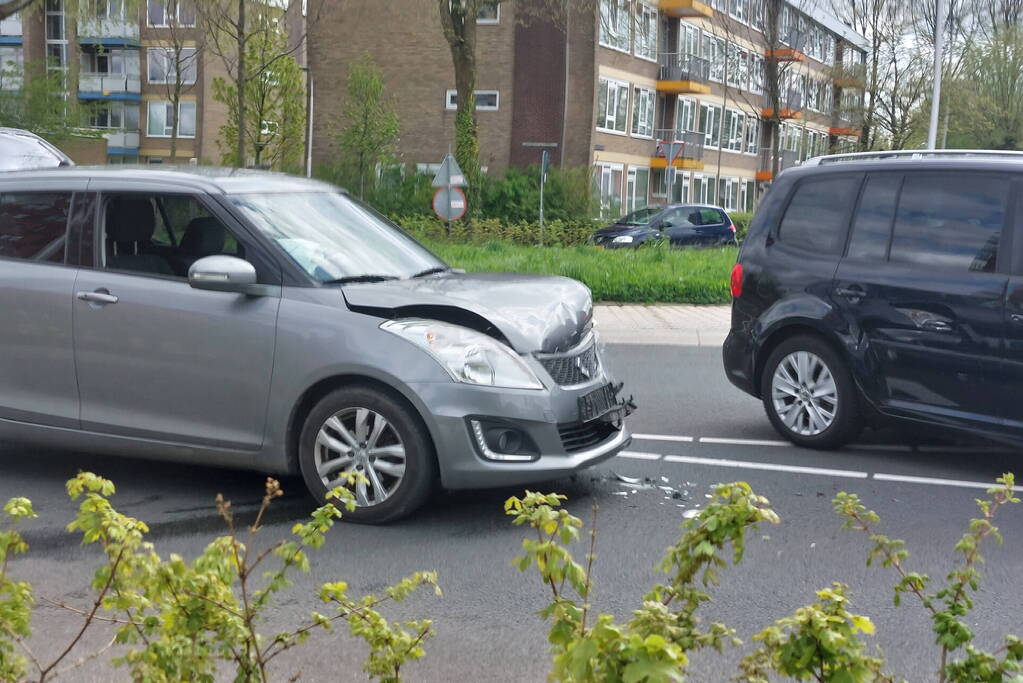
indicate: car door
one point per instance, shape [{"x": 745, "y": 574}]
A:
[
  {"x": 678, "y": 225},
  {"x": 158, "y": 359},
  {"x": 1009, "y": 376},
  {"x": 920, "y": 291},
  {"x": 710, "y": 228},
  {"x": 37, "y": 369}
]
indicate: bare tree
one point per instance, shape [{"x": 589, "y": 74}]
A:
[{"x": 183, "y": 47}]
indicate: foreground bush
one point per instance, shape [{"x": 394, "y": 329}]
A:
[{"x": 181, "y": 621}]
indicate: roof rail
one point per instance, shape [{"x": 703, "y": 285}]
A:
[{"x": 912, "y": 154}]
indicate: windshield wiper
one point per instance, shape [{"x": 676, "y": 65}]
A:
[
  {"x": 431, "y": 271},
  {"x": 351, "y": 279}
]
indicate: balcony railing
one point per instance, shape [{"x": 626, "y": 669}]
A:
[
  {"x": 11, "y": 26},
  {"x": 122, "y": 139},
  {"x": 108, "y": 83},
  {"x": 691, "y": 142},
  {"x": 108, "y": 29},
  {"x": 681, "y": 66}
]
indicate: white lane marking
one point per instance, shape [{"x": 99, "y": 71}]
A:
[
  {"x": 935, "y": 481},
  {"x": 662, "y": 437},
  {"x": 744, "y": 442},
  {"x": 639, "y": 455},
  {"x": 745, "y": 464}
]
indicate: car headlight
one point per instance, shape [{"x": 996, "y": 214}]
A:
[
  {"x": 623, "y": 239},
  {"x": 469, "y": 356}
]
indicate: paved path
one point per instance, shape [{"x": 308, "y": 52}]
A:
[{"x": 675, "y": 325}]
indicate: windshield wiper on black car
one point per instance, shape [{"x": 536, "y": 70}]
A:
[
  {"x": 359, "y": 278},
  {"x": 431, "y": 271}
]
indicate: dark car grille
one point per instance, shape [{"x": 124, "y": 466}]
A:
[
  {"x": 578, "y": 436},
  {"x": 603, "y": 239},
  {"x": 577, "y": 368}
]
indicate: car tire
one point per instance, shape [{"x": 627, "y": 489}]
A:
[
  {"x": 809, "y": 394},
  {"x": 344, "y": 432}
]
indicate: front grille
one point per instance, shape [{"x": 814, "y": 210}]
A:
[
  {"x": 579, "y": 436},
  {"x": 577, "y": 368}
]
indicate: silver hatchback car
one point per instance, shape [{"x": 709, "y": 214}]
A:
[{"x": 234, "y": 318}]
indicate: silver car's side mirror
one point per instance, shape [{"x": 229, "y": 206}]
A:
[{"x": 224, "y": 274}]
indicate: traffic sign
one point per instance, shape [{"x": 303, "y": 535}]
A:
[
  {"x": 449, "y": 174},
  {"x": 449, "y": 203}
]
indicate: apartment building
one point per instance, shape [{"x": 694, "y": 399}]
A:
[
  {"x": 614, "y": 87},
  {"x": 124, "y": 66}
]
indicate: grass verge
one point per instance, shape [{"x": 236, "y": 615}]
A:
[{"x": 647, "y": 275}]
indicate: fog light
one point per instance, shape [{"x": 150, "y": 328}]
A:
[{"x": 503, "y": 443}]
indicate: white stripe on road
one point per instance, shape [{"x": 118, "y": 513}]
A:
[
  {"x": 638, "y": 455},
  {"x": 663, "y": 437},
  {"x": 772, "y": 467},
  {"x": 744, "y": 442},
  {"x": 936, "y": 482}
]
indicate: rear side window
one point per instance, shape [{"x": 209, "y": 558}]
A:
[
  {"x": 951, "y": 221},
  {"x": 711, "y": 217},
  {"x": 818, "y": 213},
  {"x": 33, "y": 225},
  {"x": 872, "y": 224}
]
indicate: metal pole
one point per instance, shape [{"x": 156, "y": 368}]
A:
[
  {"x": 309, "y": 125},
  {"x": 939, "y": 40},
  {"x": 543, "y": 183}
]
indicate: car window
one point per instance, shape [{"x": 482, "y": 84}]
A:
[
  {"x": 951, "y": 221},
  {"x": 817, "y": 214},
  {"x": 710, "y": 217},
  {"x": 872, "y": 224},
  {"x": 683, "y": 217},
  {"x": 33, "y": 225}
]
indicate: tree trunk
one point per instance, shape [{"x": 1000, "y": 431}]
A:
[
  {"x": 241, "y": 81},
  {"x": 176, "y": 106},
  {"x": 458, "y": 20}
]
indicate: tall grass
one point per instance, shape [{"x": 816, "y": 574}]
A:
[{"x": 646, "y": 275}]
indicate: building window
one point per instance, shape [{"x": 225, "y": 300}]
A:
[
  {"x": 162, "y": 13},
  {"x": 749, "y": 195},
  {"x": 679, "y": 186},
  {"x": 703, "y": 189},
  {"x": 608, "y": 178},
  {"x": 643, "y": 103},
  {"x": 614, "y": 24},
  {"x": 612, "y": 106},
  {"x": 738, "y": 70},
  {"x": 688, "y": 39},
  {"x": 489, "y": 13},
  {"x": 714, "y": 53},
  {"x": 160, "y": 119},
  {"x": 756, "y": 81},
  {"x": 739, "y": 10},
  {"x": 728, "y": 196},
  {"x": 107, "y": 10},
  {"x": 165, "y": 65},
  {"x": 636, "y": 188},
  {"x": 733, "y": 141},
  {"x": 486, "y": 100},
  {"x": 646, "y": 32},
  {"x": 685, "y": 115},
  {"x": 752, "y": 135},
  {"x": 710, "y": 124},
  {"x": 756, "y": 14},
  {"x": 11, "y": 67},
  {"x": 116, "y": 116}
]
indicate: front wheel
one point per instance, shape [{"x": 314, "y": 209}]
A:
[
  {"x": 362, "y": 430},
  {"x": 809, "y": 395}
]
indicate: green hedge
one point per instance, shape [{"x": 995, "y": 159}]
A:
[
  {"x": 556, "y": 233},
  {"x": 741, "y": 221}
]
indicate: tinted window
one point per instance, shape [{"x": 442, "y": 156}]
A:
[
  {"x": 817, "y": 213},
  {"x": 872, "y": 224},
  {"x": 681, "y": 218},
  {"x": 33, "y": 225},
  {"x": 950, "y": 221},
  {"x": 711, "y": 217}
]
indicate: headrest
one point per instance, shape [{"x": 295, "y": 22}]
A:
[
  {"x": 130, "y": 220},
  {"x": 204, "y": 236}
]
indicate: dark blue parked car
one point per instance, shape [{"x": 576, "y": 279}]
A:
[{"x": 682, "y": 225}]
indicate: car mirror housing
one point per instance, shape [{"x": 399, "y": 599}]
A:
[{"x": 224, "y": 274}]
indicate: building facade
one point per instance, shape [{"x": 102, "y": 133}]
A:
[
  {"x": 125, "y": 67},
  {"x": 618, "y": 87}
]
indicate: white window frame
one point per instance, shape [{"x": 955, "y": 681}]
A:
[
  {"x": 734, "y": 131},
  {"x": 607, "y": 169},
  {"x": 743, "y": 14},
  {"x": 686, "y": 113},
  {"x": 639, "y": 94},
  {"x": 645, "y": 11},
  {"x": 487, "y": 21},
  {"x": 715, "y": 131},
  {"x": 619, "y": 86},
  {"x": 451, "y": 100},
  {"x": 752, "y": 135},
  {"x": 716, "y": 56},
  {"x": 177, "y": 120},
  {"x": 690, "y": 39},
  {"x": 613, "y": 38},
  {"x": 168, "y": 14},
  {"x": 171, "y": 62},
  {"x": 631, "y": 187},
  {"x": 756, "y": 77},
  {"x": 728, "y": 193}
]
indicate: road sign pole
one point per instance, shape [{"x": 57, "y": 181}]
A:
[{"x": 545, "y": 160}]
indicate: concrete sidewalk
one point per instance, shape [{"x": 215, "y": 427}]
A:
[{"x": 676, "y": 325}]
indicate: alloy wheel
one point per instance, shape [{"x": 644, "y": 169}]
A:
[
  {"x": 804, "y": 393},
  {"x": 360, "y": 440}
]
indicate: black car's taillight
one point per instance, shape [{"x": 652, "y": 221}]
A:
[{"x": 736, "y": 281}]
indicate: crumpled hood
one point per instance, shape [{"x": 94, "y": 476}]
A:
[{"x": 535, "y": 313}]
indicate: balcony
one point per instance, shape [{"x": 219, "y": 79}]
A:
[
  {"x": 122, "y": 142},
  {"x": 786, "y": 159},
  {"x": 846, "y": 124},
  {"x": 100, "y": 86},
  {"x": 681, "y": 9},
  {"x": 689, "y": 157},
  {"x": 849, "y": 75},
  {"x": 791, "y": 48},
  {"x": 681, "y": 73},
  {"x": 791, "y": 106},
  {"x": 11, "y": 26},
  {"x": 108, "y": 32}
]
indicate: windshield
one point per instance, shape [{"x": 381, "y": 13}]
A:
[
  {"x": 641, "y": 216},
  {"x": 334, "y": 238}
]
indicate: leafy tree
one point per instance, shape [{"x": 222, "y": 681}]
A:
[
  {"x": 37, "y": 101},
  {"x": 368, "y": 126}
]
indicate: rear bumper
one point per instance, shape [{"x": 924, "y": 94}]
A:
[{"x": 738, "y": 354}]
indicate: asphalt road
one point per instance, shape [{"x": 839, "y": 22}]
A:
[{"x": 704, "y": 432}]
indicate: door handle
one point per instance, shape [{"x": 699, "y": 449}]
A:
[
  {"x": 853, "y": 292},
  {"x": 936, "y": 326},
  {"x": 97, "y": 297}
]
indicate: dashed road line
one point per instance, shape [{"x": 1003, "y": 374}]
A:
[
  {"x": 663, "y": 437},
  {"x": 638, "y": 455},
  {"x": 772, "y": 467},
  {"x": 744, "y": 442},
  {"x": 935, "y": 481}
]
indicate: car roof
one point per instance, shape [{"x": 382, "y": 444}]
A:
[
  {"x": 210, "y": 179},
  {"x": 33, "y": 151},
  {"x": 937, "y": 160},
  {"x": 694, "y": 206}
]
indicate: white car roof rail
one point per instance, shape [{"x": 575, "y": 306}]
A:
[{"x": 914, "y": 154}]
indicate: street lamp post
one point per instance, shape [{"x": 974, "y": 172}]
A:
[{"x": 939, "y": 44}]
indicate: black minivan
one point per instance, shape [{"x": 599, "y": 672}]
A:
[{"x": 884, "y": 285}]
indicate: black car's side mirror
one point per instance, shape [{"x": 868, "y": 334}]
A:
[{"x": 666, "y": 224}]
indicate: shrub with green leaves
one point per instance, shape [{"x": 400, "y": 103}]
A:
[{"x": 177, "y": 620}]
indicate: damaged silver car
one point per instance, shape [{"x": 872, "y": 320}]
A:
[{"x": 262, "y": 321}]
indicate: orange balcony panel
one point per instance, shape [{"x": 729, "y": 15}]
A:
[
  {"x": 838, "y": 130},
  {"x": 764, "y": 175},
  {"x": 686, "y": 8},
  {"x": 783, "y": 114},
  {"x": 684, "y": 164},
  {"x": 785, "y": 54},
  {"x": 683, "y": 87},
  {"x": 847, "y": 81}
]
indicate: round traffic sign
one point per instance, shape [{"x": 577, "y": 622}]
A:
[{"x": 449, "y": 203}]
